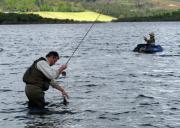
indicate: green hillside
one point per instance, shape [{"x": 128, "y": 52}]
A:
[
  {"x": 113, "y": 7},
  {"x": 137, "y": 8},
  {"x": 121, "y": 9}
]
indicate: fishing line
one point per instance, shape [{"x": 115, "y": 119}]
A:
[
  {"x": 65, "y": 101},
  {"x": 80, "y": 42}
]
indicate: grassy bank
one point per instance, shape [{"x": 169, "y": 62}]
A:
[
  {"x": 115, "y": 8},
  {"x": 87, "y": 16},
  {"x": 16, "y": 18},
  {"x": 166, "y": 16},
  {"x": 81, "y": 17},
  {"x": 52, "y": 17}
]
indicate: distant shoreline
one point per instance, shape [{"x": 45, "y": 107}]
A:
[
  {"x": 149, "y": 19},
  {"x": 169, "y": 16},
  {"x": 45, "y": 18},
  {"x": 16, "y": 18}
]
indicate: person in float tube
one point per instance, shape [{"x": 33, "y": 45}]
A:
[
  {"x": 39, "y": 76},
  {"x": 151, "y": 40}
]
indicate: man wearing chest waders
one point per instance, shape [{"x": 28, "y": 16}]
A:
[{"x": 39, "y": 76}]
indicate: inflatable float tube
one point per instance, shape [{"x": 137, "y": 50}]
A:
[{"x": 151, "y": 49}]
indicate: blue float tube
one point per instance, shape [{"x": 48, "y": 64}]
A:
[{"x": 151, "y": 49}]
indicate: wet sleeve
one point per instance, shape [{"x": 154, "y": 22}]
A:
[
  {"x": 49, "y": 72},
  {"x": 54, "y": 83}
]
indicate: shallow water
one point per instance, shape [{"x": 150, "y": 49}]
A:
[{"x": 109, "y": 85}]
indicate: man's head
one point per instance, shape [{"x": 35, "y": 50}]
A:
[
  {"x": 151, "y": 34},
  {"x": 52, "y": 57}
]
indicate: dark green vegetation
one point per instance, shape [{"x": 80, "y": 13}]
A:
[
  {"x": 124, "y": 10},
  {"x": 15, "y": 18},
  {"x": 39, "y": 5},
  {"x": 168, "y": 16}
]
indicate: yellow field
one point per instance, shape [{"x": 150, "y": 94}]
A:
[{"x": 76, "y": 16}]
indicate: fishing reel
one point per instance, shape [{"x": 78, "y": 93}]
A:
[{"x": 63, "y": 73}]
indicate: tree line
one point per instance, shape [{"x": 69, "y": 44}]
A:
[{"x": 16, "y": 18}]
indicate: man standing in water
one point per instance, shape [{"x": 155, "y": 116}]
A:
[{"x": 39, "y": 76}]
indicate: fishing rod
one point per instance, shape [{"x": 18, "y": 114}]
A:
[
  {"x": 65, "y": 102},
  {"x": 80, "y": 42}
]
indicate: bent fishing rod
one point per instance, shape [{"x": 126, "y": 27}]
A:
[
  {"x": 81, "y": 41},
  {"x": 65, "y": 102}
]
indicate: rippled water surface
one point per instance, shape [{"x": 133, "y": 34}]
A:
[{"x": 109, "y": 85}]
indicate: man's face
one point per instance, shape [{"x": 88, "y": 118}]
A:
[
  {"x": 53, "y": 60},
  {"x": 151, "y": 36}
]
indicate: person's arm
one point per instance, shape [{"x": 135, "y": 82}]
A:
[
  {"x": 55, "y": 85},
  {"x": 62, "y": 68},
  {"x": 145, "y": 39},
  {"x": 49, "y": 72},
  {"x": 148, "y": 41}
]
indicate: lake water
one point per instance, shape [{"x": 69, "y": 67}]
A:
[{"x": 109, "y": 85}]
